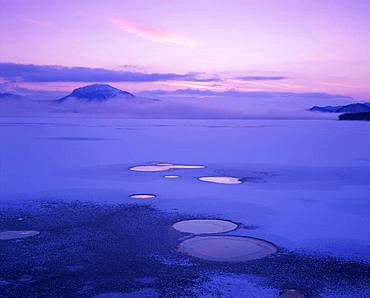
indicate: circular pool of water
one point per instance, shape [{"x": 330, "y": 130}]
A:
[
  {"x": 142, "y": 196},
  {"x": 204, "y": 226},
  {"x": 227, "y": 248}
]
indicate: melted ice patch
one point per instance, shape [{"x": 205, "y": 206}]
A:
[
  {"x": 142, "y": 196},
  {"x": 163, "y": 167},
  {"x": 227, "y": 248},
  {"x": 9, "y": 235},
  {"x": 204, "y": 226},
  {"x": 221, "y": 179}
]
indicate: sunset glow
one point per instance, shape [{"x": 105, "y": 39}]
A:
[{"x": 285, "y": 45}]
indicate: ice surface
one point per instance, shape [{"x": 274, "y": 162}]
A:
[
  {"x": 143, "y": 293},
  {"x": 9, "y": 235},
  {"x": 234, "y": 285},
  {"x": 309, "y": 180}
]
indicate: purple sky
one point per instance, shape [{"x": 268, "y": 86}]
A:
[{"x": 295, "y": 46}]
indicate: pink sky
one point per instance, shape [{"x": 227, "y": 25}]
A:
[{"x": 318, "y": 46}]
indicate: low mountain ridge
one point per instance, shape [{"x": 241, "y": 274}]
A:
[{"x": 351, "y": 108}]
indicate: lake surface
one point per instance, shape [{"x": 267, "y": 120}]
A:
[{"x": 305, "y": 183}]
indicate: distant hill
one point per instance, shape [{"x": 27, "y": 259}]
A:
[
  {"x": 350, "y": 108},
  {"x": 10, "y": 96},
  {"x": 355, "y": 116},
  {"x": 97, "y": 93}
]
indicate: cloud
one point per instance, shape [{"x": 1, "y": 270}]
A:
[
  {"x": 254, "y": 94},
  {"x": 261, "y": 78},
  {"x": 38, "y": 22},
  {"x": 13, "y": 72},
  {"x": 43, "y": 24},
  {"x": 153, "y": 33}
]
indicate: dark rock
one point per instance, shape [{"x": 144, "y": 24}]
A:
[{"x": 355, "y": 116}]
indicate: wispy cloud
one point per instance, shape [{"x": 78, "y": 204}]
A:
[
  {"x": 260, "y": 78},
  {"x": 153, "y": 33},
  {"x": 13, "y": 72},
  {"x": 193, "y": 85},
  {"x": 38, "y": 22}
]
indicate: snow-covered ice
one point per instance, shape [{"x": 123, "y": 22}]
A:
[
  {"x": 312, "y": 187},
  {"x": 308, "y": 187},
  {"x": 10, "y": 235},
  {"x": 171, "y": 176},
  {"x": 221, "y": 180}
]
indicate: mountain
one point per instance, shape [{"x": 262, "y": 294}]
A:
[
  {"x": 97, "y": 93},
  {"x": 326, "y": 109},
  {"x": 351, "y": 108},
  {"x": 355, "y": 108},
  {"x": 355, "y": 116}
]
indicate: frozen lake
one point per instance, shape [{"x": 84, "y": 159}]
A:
[{"x": 305, "y": 183}]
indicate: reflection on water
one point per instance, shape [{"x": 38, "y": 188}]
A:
[
  {"x": 227, "y": 248},
  {"x": 142, "y": 196},
  {"x": 204, "y": 226}
]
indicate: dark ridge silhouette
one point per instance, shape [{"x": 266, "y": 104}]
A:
[
  {"x": 10, "y": 96},
  {"x": 355, "y": 116},
  {"x": 351, "y": 108}
]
